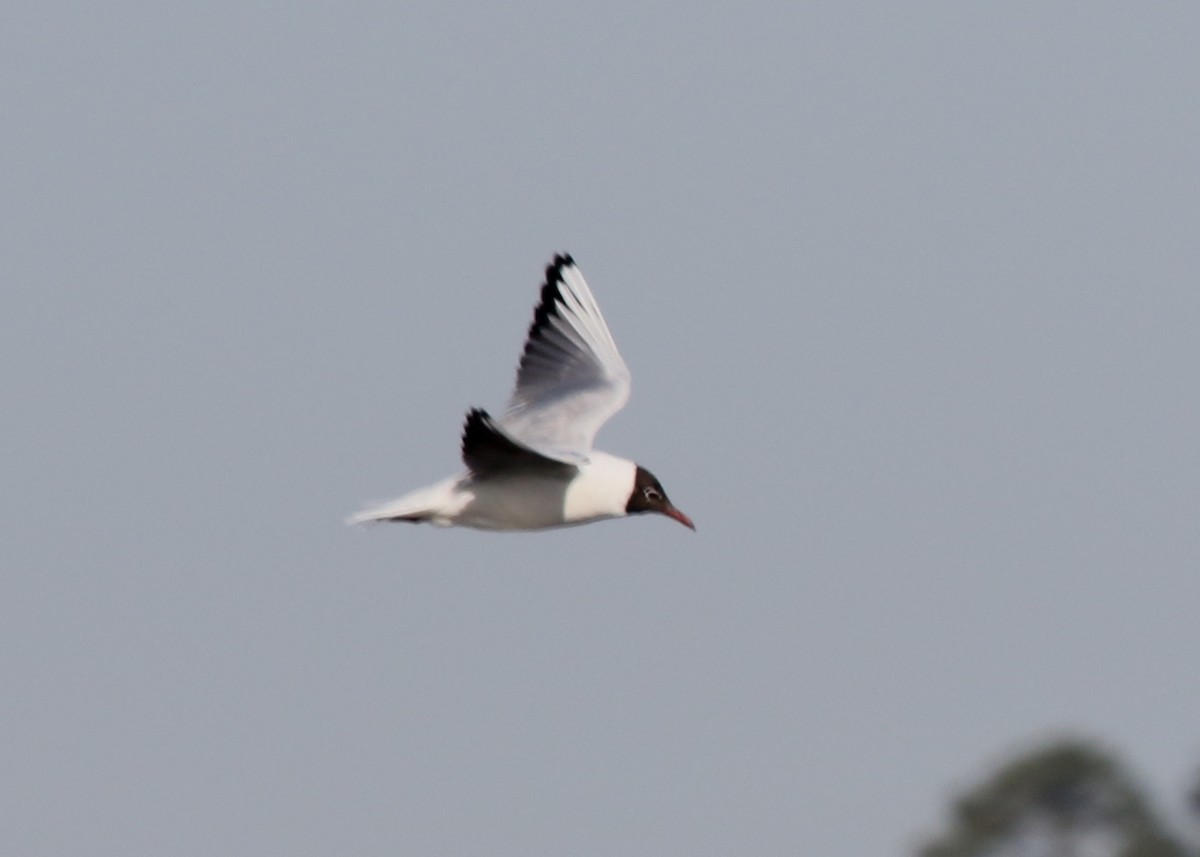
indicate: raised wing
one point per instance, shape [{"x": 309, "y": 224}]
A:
[{"x": 571, "y": 378}]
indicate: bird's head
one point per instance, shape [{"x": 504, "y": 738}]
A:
[{"x": 648, "y": 496}]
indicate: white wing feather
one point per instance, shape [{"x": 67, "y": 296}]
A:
[{"x": 571, "y": 378}]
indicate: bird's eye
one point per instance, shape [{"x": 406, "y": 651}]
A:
[{"x": 651, "y": 493}]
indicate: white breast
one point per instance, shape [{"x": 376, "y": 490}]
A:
[{"x": 601, "y": 490}]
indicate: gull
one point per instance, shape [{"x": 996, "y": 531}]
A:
[{"x": 534, "y": 467}]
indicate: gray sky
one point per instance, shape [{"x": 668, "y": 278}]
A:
[{"x": 909, "y": 293}]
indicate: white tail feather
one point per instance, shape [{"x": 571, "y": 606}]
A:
[{"x": 426, "y": 504}]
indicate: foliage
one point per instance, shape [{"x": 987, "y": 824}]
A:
[{"x": 1068, "y": 799}]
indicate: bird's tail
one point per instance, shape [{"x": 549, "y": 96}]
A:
[
  {"x": 426, "y": 504},
  {"x": 384, "y": 513}
]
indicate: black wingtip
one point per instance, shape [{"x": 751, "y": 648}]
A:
[
  {"x": 554, "y": 274},
  {"x": 486, "y": 449},
  {"x": 547, "y": 305},
  {"x": 476, "y": 427}
]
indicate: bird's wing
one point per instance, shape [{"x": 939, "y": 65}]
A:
[
  {"x": 571, "y": 378},
  {"x": 487, "y": 451}
]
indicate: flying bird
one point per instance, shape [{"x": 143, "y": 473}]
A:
[{"x": 534, "y": 467}]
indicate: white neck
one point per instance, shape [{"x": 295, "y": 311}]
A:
[{"x": 602, "y": 488}]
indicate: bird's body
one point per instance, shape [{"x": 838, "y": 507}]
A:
[
  {"x": 519, "y": 501},
  {"x": 534, "y": 468}
]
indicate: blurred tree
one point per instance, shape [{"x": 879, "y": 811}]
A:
[{"x": 1068, "y": 799}]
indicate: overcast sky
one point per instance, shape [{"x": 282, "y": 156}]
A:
[{"x": 910, "y": 297}]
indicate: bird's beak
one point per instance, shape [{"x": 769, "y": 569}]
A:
[{"x": 671, "y": 512}]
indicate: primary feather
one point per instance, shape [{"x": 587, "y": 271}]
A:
[{"x": 571, "y": 378}]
